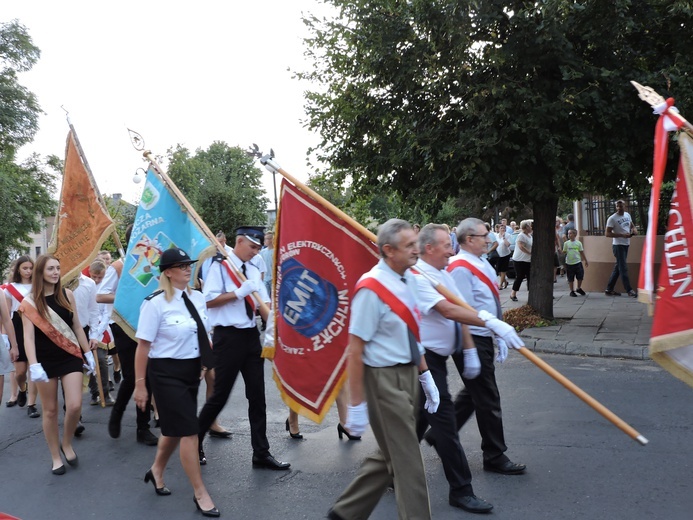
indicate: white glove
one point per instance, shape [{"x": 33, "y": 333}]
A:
[
  {"x": 472, "y": 365},
  {"x": 91, "y": 365},
  {"x": 501, "y": 329},
  {"x": 268, "y": 340},
  {"x": 357, "y": 420},
  {"x": 37, "y": 373},
  {"x": 502, "y": 350},
  {"x": 246, "y": 288},
  {"x": 430, "y": 391}
]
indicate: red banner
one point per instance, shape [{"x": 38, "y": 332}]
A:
[
  {"x": 319, "y": 259},
  {"x": 671, "y": 343}
]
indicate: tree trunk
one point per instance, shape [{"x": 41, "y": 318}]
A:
[{"x": 543, "y": 248}]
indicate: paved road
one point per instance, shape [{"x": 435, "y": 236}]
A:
[{"x": 580, "y": 466}]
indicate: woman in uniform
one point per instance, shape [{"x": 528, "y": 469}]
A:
[
  {"x": 55, "y": 347},
  {"x": 172, "y": 335}
]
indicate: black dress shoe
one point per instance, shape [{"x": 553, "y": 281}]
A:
[
  {"x": 471, "y": 503},
  {"x": 146, "y": 436},
  {"x": 220, "y": 435},
  {"x": 72, "y": 462},
  {"x": 331, "y": 515},
  {"x": 80, "y": 429},
  {"x": 58, "y": 471},
  {"x": 270, "y": 462},
  {"x": 506, "y": 468},
  {"x": 11, "y": 403},
  {"x": 114, "y": 423},
  {"x": 203, "y": 459}
]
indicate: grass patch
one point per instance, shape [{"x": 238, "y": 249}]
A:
[{"x": 525, "y": 317}]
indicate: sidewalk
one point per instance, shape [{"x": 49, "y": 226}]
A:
[{"x": 592, "y": 325}]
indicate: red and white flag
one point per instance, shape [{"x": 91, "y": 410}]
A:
[
  {"x": 671, "y": 342},
  {"x": 319, "y": 259}
]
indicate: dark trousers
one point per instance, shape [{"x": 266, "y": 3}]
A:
[
  {"x": 444, "y": 429},
  {"x": 481, "y": 395},
  {"x": 238, "y": 350},
  {"x": 620, "y": 268},
  {"x": 126, "y": 353},
  {"x": 521, "y": 272}
]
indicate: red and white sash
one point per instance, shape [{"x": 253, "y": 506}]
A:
[
  {"x": 483, "y": 278},
  {"x": 14, "y": 292},
  {"x": 395, "y": 295},
  {"x": 55, "y": 327}
]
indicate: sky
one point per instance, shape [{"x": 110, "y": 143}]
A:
[{"x": 187, "y": 73}]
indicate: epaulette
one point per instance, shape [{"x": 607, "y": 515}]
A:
[
  {"x": 218, "y": 257},
  {"x": 155, "y": 293}
]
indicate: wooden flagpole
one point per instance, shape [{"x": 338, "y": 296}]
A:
[
  {"x": 273, "y": 167},
  {"x": 201, "y": 223}
]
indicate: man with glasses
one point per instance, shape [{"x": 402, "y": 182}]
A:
[
  {"x": 619, "y": 227},
  {"x": 236, "y": 342},
  {"x": 476, "y": 280}
]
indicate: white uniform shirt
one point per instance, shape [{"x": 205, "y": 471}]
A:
[
  {"x": 437, "y": 332},
  {"x": 109, "y": 285},
  {"x": 218, "y": 282},
  {"x": 620, "y": 224},
  {"x": 385, "y": 334},
  {"x": 23, "y": 289},
  {"x": 170, "y": 327},
  {"x": 87, "y": 308},
  {"x": 474, "y": 291}
]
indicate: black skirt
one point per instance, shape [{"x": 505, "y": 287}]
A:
[{"x": 174, "y": 384}]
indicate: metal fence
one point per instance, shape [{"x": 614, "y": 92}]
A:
[{"x": 597, "y": 209}]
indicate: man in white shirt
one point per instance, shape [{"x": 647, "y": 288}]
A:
[
  {"x": 619, "y": 227},
  {"x": 443, "y": 335},
  {"x": 476, "y": 280},
  {"x": 88, "y": 312},
  {"x": 126, "y": 352},
  {"x": 236, "y": 342}
]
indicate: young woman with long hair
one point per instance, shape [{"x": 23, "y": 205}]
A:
[
  {"x": 16, "y": 290},
  {"x": 55, "y": 345}
]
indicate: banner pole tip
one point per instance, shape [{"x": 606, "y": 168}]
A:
[{"x": 642, "y": 440}]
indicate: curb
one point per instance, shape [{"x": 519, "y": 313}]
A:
[{"x": 597, "y": 349}]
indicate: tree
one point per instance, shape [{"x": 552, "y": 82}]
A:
[
  {"x": 517, "y": 102},
  {"x": 24, "y": 189},
  {"x": 222, "y": 184},
  {"x": 24, "y": 203},
  {"x": 19, "y": 109}
]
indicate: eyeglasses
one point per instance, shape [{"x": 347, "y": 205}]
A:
[
  {"x": 182, "y": 267},
  {"x": 483, "y": 236}
]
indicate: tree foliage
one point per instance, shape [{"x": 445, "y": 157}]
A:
[
  {"x": 517, "y": 102},
  {"x": 221, "y": 183},
  {"x": 19, "y": 109},
  {"x": 24, "y": 202},
  {"x": 24, "y": 189}
]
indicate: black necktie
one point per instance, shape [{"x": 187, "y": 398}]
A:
[
  {"x": 248, "y": 307},
  {"x": 413, "y": 346},
  {"x": 458, "y": 339},
  {"x": 203, "y": 340}
]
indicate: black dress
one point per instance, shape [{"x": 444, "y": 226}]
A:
[
  {"x": 19, "y": 333},
  {"x": 55, "y": 361}
]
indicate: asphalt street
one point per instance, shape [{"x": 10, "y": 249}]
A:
[{"x": 579, "y": 465}]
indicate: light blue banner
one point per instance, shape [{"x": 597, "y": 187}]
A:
[{"x": 161, "y": 223}]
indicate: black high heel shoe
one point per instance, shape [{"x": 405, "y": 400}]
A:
[
  {"x": 296, "y": 436},
  {"x": 163, "y": 490},
  {"x": 342, "y": 431},
  {"x": 214, "y": 512}
]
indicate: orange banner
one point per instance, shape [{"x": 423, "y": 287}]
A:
[{"x": 82, "y": 223}]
